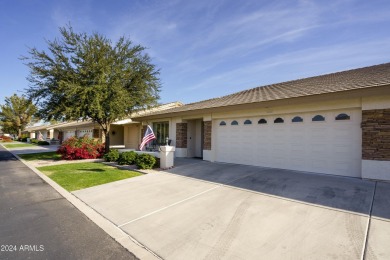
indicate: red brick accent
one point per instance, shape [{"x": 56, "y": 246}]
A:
[
  {"x": 207, "y": 128},
  {"x": 181, "y": 135},
  {"x": 376, "y": 134}
]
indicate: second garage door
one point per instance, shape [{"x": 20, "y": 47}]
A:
[{"x": 322, "y": 142}]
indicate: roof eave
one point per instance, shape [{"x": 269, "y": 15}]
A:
[{"x": 346, "y": 94}]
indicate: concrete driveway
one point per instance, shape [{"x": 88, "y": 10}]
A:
[{"x": 202, "y": 210}]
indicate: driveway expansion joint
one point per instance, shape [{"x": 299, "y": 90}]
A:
[
  {"x": 364, "y": 250},
  {"x": 184, "y": 200}
]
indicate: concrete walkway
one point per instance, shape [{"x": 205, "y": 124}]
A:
[{"x": 202, "y": 210}]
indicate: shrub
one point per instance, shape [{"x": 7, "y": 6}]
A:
[
  {"x": 34, "y": 141},
  {"x": 43, "y": 143},
  {"x": 127, "y": 158},
  {"x": 145, "y": 161},
  {"x": 24, "y": 139},
  {"x": 6, "y": 139},
  {"x": 81, "y": 148},
  {"x": 112, "y": 155},
  {"x": 157, "y": 164}
]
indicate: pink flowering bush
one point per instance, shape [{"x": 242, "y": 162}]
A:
[
  {"x": 75, "y": 148},
  {"x": 5, "y": 138}
]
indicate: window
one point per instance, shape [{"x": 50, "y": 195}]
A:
[
  {"x": 247, "y": 122},
  {"x": 222, "y": 123},
  {"x": 95, "y": 133},
  {"x": 234, "y": 122},
  {"x": 297, "y": 119},
  {"x": 278, "y": 120},
  {"x": 161, "y": 130},
  {"x": 342, "y": 116},
  {"x": 262, "y": 121},
  {"x": 318, "y": 118}
]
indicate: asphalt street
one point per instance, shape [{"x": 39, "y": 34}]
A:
[{"x": 36, "y": 222}]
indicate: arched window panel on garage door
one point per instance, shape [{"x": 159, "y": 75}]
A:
[
  {"x": 342, "y": 116},
  {"x": 234, "y": 122},
  {"x": 247, "y": 122},
  {"x": 297, "y": 119},
  {"x": 278, "y": 120},
  {"x": 318, "y": 118},
  {"x": 262, "y": 121},
  {"x": 222, "y": 123}
]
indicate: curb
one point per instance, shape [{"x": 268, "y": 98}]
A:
[{"x": 111, "y": 229}]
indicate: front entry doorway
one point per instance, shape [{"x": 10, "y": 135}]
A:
[{"x": 195, "y": 138}]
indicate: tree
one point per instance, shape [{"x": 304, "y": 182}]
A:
[
  {"x": 16, "y": 114},
  {"x": 87, "y": 77}
]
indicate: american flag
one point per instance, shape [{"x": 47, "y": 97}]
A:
[
  {"x": 149, "y": 136},
  {"x": 40, "y": 136}
]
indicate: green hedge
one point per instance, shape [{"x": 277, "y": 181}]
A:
[
  {"x": 111, "y": 156},
  {"x": 145, "y": 161},
  {"x": 127, "y": 158}
]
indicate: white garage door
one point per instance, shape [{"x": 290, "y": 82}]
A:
[
  {"x": 68, "y": 134},
  {"x": 322, "y": 142}
]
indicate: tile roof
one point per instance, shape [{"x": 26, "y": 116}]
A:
[
  {"x": 80, "y": 123},
  {"x": 36, "y": 128},
  {"x": 72, "y": 124},
  {"x": 373, "y": 76}
]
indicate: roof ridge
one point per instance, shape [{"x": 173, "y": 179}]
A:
[
  {"x": 310, "y": 78},
  {"x": 352, "y": 79},
  {"x": 289, "y": 82}
]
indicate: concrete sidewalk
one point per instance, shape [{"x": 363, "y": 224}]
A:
[
  {"x": 201, "y": 210},
  {"x": 101, "y": 221},
  {"x": 33, "y": 149},
  {"x": 38, "y": 223}
]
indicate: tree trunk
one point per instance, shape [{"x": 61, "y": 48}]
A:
[
  {"x": 106, "y": 131},
  {"x": 107, "y": 142},
  {"x": 20, "y": 133}
]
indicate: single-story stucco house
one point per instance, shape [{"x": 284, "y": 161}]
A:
[
  {"x": 46, "y": 131},
  {"x": 337, "y": 123},
  {"x": 123, "y": 133},
  {"x": 55, "y": 131}
]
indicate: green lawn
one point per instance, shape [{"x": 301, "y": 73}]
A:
[
  {"x": 40, "y": 156},
  {"x": 76, "y": 176},
  {"x": 18, "y": 145}
]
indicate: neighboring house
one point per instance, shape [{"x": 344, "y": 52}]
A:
[
  {"x": 123, "y": 134},
  {"x": 337, "y": 124},
  {"x": 78, "y": 129},
  {"x": 33, "y": 132},
  {"x": 90, "y": 129},
  {"x": 62, "y": 131},
  {"x": 132, "y": 130}
]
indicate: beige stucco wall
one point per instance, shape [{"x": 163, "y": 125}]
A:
[{"x": 376, "y": 102}]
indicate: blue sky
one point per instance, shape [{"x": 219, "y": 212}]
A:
[{"x": 208, "y": 48}]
